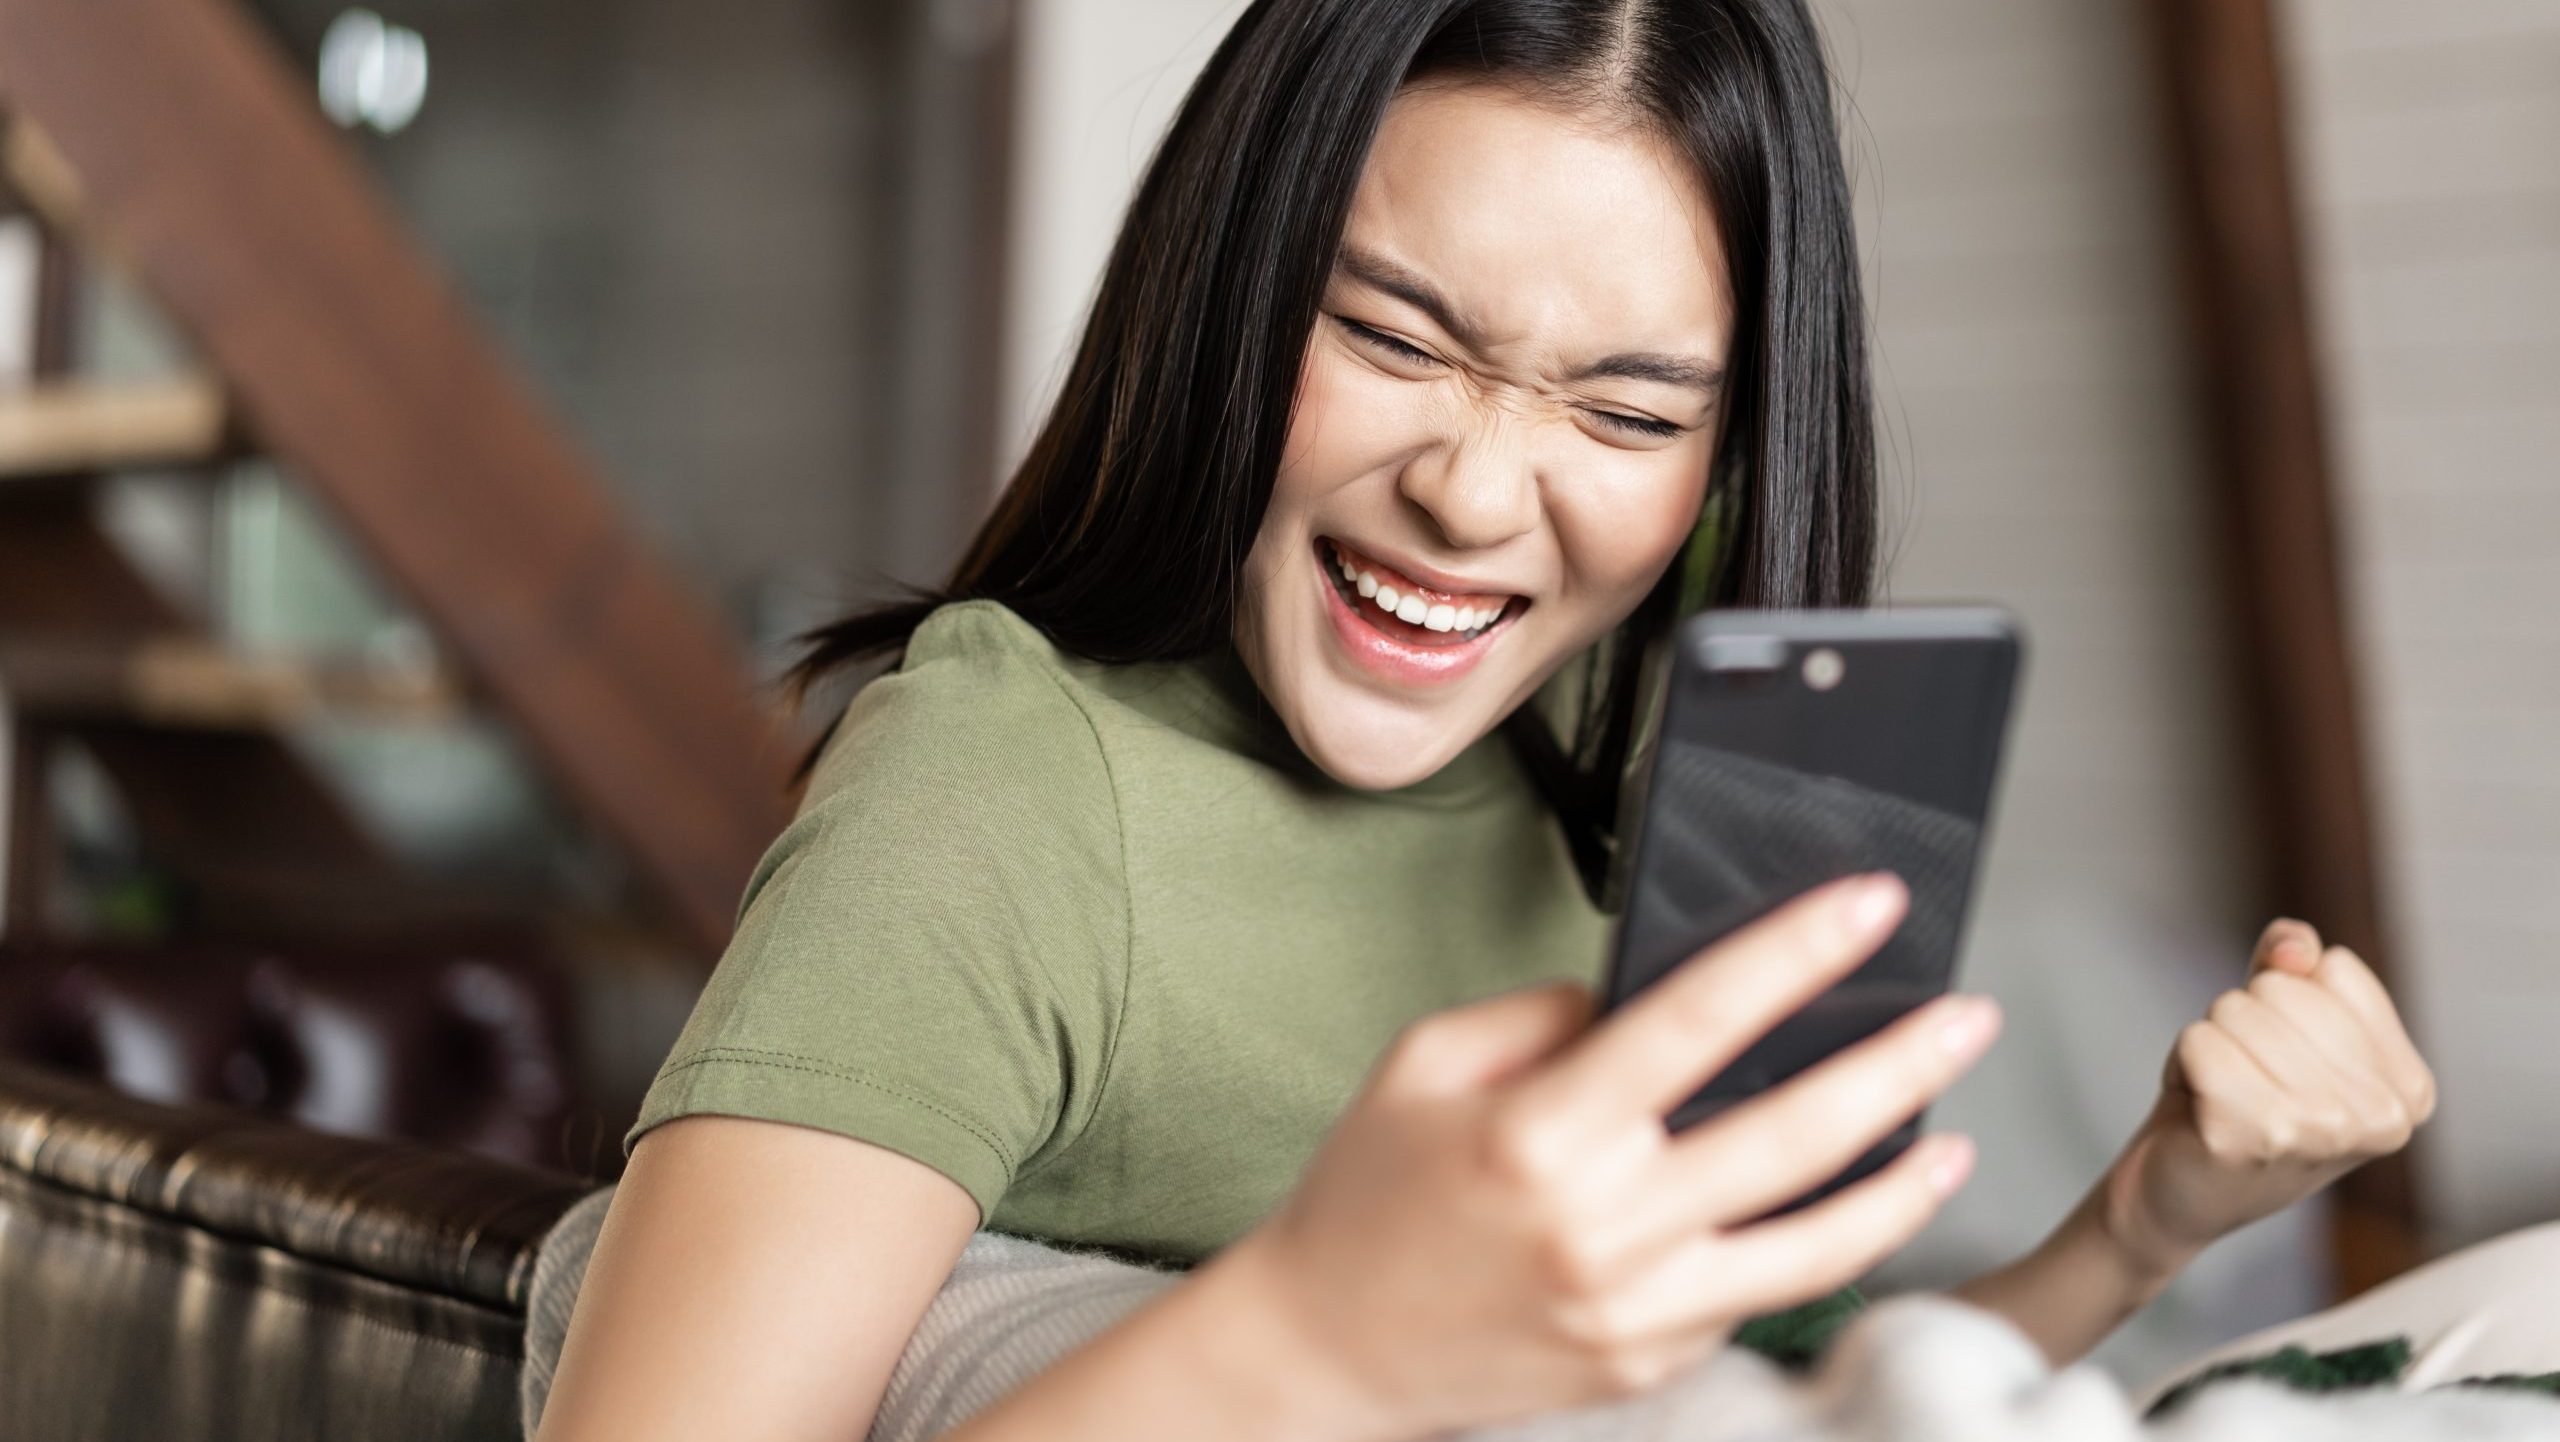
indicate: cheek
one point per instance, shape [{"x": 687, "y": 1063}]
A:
[
  {"x": 1626, "y": 524},
  {"x": 1348, "y": 420}
]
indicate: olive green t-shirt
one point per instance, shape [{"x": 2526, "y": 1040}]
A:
[{"x": 1100, "y": 944}]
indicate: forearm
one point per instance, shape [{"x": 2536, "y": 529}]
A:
[
  {"x": 2077, "y": 1286},
  {"x": 1210, "y": 1357}
]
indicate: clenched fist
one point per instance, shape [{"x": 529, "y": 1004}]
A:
[{"x": 2286, "y": 1085}]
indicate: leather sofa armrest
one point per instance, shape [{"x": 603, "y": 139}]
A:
[
  {"x": 193, "y": 1272},
  {"x": 414, "y": 1215}
]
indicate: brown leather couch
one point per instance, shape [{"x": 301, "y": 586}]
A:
[{"x": 176, "y": 1272}]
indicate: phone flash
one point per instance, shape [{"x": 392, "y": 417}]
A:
[{"x": 1823, "y": 668}]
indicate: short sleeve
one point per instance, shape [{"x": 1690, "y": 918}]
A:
[{"x": 931, "y": 956}]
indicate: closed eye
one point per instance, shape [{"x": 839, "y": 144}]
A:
[
  {"x": 1641, "y": 425},
  {"x": 1414, "y": 355},
  {"x": 1380, "y": 340}
]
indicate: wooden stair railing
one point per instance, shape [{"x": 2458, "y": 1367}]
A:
[{"x": 180, "y": 142}]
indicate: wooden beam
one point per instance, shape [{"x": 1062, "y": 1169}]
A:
[
  {"x": 200, "y": 156},
  {"x": 2256, "y": 363}
]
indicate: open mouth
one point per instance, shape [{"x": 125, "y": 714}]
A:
[
  {"x": 1404, "y": 608},
  {"x": 1403, "y": 628}
]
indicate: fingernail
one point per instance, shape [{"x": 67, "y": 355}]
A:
[
  {"x": 1871, "y": 902},
  {"x": 1967, "y": 1026},
  {"x": 1953, "y": 1164}
]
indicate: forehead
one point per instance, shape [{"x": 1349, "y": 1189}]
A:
[{"x": 1548, "y": 223}]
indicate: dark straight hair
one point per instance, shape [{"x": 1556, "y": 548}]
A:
[{"x": 1123, "y": 534}]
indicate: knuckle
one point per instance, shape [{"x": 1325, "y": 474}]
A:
[
  {"x": 1422, "y": 1050},
  {"x": 1524, "y": 1150},
  {"x": 2226, "y": 1140},
  {"x": 1627, "y": 1369},
  {"x": 1574, "y": 1268},
  {"x": 2393, "y": 1118},
  {"x": 2280, "y": 1136},
  {"x": 1635, "y": 1373},
  {"x": 2193, "y": 1041},
  {"x": 2227, "y": 1008},
  {"x": 1588, "y": 1326}
]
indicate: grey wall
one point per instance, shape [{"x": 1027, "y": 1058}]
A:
[{"x": 2428, "y": 138}]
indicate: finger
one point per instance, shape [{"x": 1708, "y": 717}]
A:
[
  {"x": 2376, "y": 1117},
  {"x": 2235, "y": 1099},
  {"x": 1692, "y": 1283},
  {"x": 2340, "y": 1038},
  {"x": 1468, "y": 1048},
  {"x": 2353, "y": 982},
  {"x": 2319, "y": 1115},
  {"x": 1656, "y": 1049},
  {"x": 1790, "y": 1138},
  {"x": 2288, "y": 945},
  {"x": 1653, "y": 1362},
  {"x": 2275, "y": 1044},
  {"x": 1822, "y": 1248}
]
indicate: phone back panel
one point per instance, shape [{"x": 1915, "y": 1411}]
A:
[{"x": 1795, "y": 748}]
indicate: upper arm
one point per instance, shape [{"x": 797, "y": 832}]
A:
[
  {"x": 931, "y": 956},
  {"x": 753, "y": 1280}
]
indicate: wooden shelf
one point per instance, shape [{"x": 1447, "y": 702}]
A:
[
  {"x": 69, "y": 428},
  {"x": 194, "y": 684}
]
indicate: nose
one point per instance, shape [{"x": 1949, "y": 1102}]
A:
[{"x": 1479, "y": 487}]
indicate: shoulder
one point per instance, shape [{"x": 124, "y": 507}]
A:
[
  {"x": 972, "y": 773},
  {"x": 981, "y": 697}
]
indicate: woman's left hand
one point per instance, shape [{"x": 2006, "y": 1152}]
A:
[{"x": 2285, "y": 1086}]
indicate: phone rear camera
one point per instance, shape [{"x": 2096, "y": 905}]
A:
[{"x": 1823, "y": 668}]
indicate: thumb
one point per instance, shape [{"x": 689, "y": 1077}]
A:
[
  {"x": 1468, "y": 1048},
  {"x": 2287, "y": 945}
]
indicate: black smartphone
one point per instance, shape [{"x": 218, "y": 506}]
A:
[{"x": 1791, "y": 748}]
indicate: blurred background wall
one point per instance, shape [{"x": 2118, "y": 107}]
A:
[{"x": 800, "y": 278}]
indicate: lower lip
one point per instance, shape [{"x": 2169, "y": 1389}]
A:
[{"x": 1384, "y": 656}]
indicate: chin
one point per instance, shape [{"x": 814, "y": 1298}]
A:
[{"x": 1371, "y": 744}]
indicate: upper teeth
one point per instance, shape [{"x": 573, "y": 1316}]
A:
[{"x": 1412, "y": 609}]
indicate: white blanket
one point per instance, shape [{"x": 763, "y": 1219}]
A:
[{"x": 1909, "y": 1369}]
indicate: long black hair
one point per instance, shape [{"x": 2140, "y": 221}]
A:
[{"x": 1123, "y": 535}]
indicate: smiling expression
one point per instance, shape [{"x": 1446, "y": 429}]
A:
[{"x": 1503, "y": 426}]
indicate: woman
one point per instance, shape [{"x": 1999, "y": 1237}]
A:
[{"x": 1208, "y": 881}]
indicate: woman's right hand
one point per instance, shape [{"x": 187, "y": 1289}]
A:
[{"x": 1501, "y": 1224}]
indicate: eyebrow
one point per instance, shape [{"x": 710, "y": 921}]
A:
[{"x": 1406, "y": 284}]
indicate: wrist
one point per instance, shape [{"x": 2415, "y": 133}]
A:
[
  {"x": 1257, "y": 1341},
  {"x": 2147, "y": 1259}
]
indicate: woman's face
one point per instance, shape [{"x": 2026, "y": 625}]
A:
[{"x": 1502, "y": 430}]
